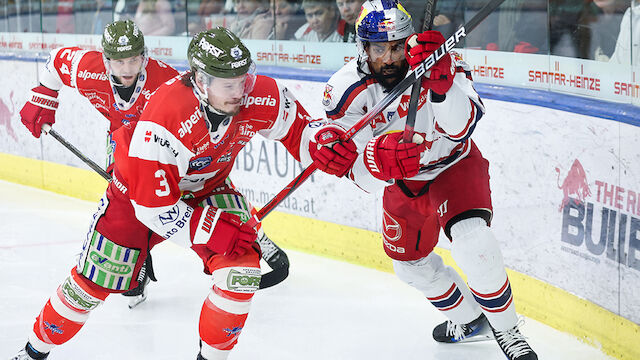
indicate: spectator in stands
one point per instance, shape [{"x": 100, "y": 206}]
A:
[
  {"x": 449, "y": 16},
  {"x": 569, "y": 33},
  {"x": 322, "y": 22},
  {"x": 242, "y": 24},
  {"x": 124, "y": 9},
  {"x": 518, "y": 27},
  {"x": 154, "y": 17},
  {"x": 349, "y": 11},
  {"x": 627, "y": 49},
  {"x": 280, "y": 22},
  {"x": 209, "y": 13},
  {"x": 605, "y": 27}
]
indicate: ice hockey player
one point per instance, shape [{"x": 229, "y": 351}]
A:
[
  {"x": 118, "y": 82},
  {"x": 439, "y": 180},
  {"x": 170, "y": 181}
]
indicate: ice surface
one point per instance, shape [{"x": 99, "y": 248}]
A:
[{"x": 326, "y": 309}]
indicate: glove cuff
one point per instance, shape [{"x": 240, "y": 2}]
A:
[{"x": 44, "y": 97}]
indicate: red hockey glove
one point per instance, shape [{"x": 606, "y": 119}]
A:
[
  {"x": 331, "y": 155},
  {"x": 418, "y": 47},
  {"x": 40, "y": 109},
  {"x": 387, "y": 158},
  {"x": 221, "y": 232}
]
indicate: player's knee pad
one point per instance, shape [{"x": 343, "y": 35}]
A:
[
  {"x": 65, "y": 312},
  {"x": 476, "y": 250},
  {"x": 226, "y": 308},
  {"x": 423, "y": 274}
]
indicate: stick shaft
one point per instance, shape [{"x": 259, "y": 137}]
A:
[
  {"x": 47, "y": 128},
  {"x": 407, "y": 135}
]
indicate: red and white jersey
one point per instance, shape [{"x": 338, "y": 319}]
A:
[
  {"x": 171, "y": 154},
  {"x": 446, "y": 126},
  {"x": 85, "y": 70}
]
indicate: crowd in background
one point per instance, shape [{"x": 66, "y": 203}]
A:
[{"x": 603, "y": 30}]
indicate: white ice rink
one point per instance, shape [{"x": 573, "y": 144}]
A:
[{"x": 325, "y": 310}]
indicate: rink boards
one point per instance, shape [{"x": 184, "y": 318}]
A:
[{"x": 565, "y": 194}]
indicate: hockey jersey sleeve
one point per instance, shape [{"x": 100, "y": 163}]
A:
[
  {"x": 457, "y": 114},
  {"x": 290, "y": 124},
  {"x": 61, "y": 67}
]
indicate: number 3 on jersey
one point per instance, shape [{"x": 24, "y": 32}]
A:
[{"x": 164, "y": 185}]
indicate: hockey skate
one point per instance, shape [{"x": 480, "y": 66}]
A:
[
  {"x": 448, "y": 332},
  {"x": 513, "y": 344},
  {"x": 138, "y": 294},
  {"x": 29, "y": 353}
]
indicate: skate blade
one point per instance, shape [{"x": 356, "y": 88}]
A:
[
  {"x": 476, "y": 338},
  {"x": 484, "y": 334},
  {"x": 137, "y": 300}
]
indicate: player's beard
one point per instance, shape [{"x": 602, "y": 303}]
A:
[{"x": 394, "y": 75}]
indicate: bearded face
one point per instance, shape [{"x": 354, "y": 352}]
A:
[{"x": 387, "y": 62}]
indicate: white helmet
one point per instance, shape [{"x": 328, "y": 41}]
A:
[{"x": 381, "y": 21}]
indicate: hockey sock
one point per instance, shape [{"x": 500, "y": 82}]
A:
[
  {"x": 226, "y": 308},
  {"x": 475, "y": 249},
  {"x": 442, "y": 286},
  {"x": 65, "y": 313}
]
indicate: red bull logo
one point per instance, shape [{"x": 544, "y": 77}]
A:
[
  {"x": 575, "y": 184},
  {"x": 6, "y": 115},
  {"x": 604, "y": 227}
]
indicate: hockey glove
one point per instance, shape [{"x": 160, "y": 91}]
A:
[
  {"x": 331, "y": 155},
  {"x": 418, "y": 47},
  {"x": 40, "y": 109},
  {"x": 221, "y": 232},
  {"x": 387, "y": 158}
]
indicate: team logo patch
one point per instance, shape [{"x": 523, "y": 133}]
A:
[
  {"x": 391, "y": 228},
  {"x": 235, "y": 52},
  {"x": 326, "y": 97},
  {"x": 108, "y": 264},
  {"x": 246, "y": 281},
  {"x": 123, "y": 40},
  {"x": 233, "y": 331},
  {"x": 200, "y": 163},
  {"x": 55, "y": 329},
  {"x": 169, "y": 216}
]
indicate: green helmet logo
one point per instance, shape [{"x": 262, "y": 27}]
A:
[
  {"x": 219, "y": 52},
  {"x": 122, "y": 39}
]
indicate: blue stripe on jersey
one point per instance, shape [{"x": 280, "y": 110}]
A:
[
  {"x": 479, "y": 115},
  {"x": 119, "y": 283},
  {"x": 126, "y": 255},
  {"x": 448, "y": 160},
  {"x": 347, "y": 93}
]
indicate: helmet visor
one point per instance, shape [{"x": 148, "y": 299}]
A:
[
  {"x": 232, "y": 87},
  {"x": 385, "y": 51},
  {"x": 130, "y": 66}
]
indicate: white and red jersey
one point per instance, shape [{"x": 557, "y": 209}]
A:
[
  {"x": 170, "y": 154},
  {"x": 85, "y": 70},
  {"x": 446, "y": 126}
]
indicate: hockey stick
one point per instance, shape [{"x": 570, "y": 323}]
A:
[
  {"x": 407, "y": 135},
  {"x": 411, "y": 78},
  {"x": 46, "y": 128},
  {"x": 278, "y": 261}
]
